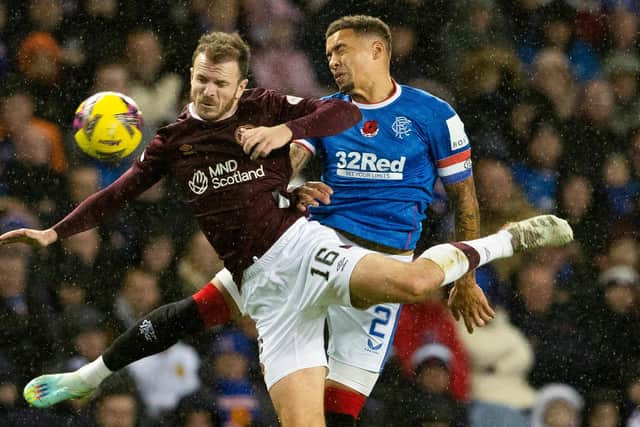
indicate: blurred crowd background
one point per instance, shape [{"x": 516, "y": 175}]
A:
[{"x": 548, "y": 91}]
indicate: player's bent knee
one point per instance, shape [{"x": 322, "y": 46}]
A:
[{"x": 416, "y": 286}]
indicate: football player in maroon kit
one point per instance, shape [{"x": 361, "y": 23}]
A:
[{"x": 228, "y": 153}]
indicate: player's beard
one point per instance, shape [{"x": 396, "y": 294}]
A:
[{"x": 224, "y": 109}]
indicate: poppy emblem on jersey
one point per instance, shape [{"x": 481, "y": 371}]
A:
[
  {"x": 186, "y": 149},
  {"x": 240, "y": 130},
  {"x": 369, "y": 129}
]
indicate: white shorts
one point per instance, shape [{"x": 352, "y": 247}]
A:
[
  {"x": 288, "y": 292},
  {"x": 360, "y": 340}
]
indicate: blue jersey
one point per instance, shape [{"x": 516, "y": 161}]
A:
[{"x": 383, "y": 169}]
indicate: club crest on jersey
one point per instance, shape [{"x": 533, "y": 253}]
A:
[
  {"x": 401, "y": 127},
  {"x": 369, "y": 129},
  {"x": 240, "y": 130}
]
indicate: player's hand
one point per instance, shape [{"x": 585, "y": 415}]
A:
[
  {"x": 467, "y": 300},
  {"x": 260, "y": 141},
  {"x": 36, "y": 238},
  {"x": 311, "y": 193}
]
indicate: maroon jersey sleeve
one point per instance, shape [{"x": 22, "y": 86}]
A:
[
  {"x": 98, "y": 207},
  {"x": 308, "y": 118}
]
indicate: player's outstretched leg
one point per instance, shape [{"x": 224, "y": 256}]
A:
[
  {"x": 155, "y": 332},
  {"x": 47, "y": 390},
  {"x": 539, "y": 231}
]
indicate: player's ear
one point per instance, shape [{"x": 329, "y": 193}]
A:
[
  {"x": 190, "y": 73},
  {"x": 241, "y": 87},
  {"x": 378, "y": 49}
]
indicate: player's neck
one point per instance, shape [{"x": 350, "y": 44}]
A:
[{"x": 376, "y": 91}]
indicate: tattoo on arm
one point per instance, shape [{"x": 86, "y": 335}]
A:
[
  {"x": 299, "y": 158},
  {"x": 467, "y": 212}
]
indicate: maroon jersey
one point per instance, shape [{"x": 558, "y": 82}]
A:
[{"x": 231, "y": 196}]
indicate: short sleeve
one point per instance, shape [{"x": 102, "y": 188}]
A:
[{"x": 451, "y": 149}]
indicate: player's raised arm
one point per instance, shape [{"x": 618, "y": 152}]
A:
[
  {"x": 302, "y": 118},
  {"x": 99, "y": 206}
]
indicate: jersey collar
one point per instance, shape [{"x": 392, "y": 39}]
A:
[
  {"x": 192, "y": 112},
  {"x": 397, "y": 90}
]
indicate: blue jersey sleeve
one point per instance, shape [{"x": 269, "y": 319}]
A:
[{"x": 450, "y": 148}]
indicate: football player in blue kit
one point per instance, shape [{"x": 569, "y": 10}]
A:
[{"x": 377, "y": 182}]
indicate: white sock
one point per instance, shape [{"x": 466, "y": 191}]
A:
[
  {"x": 95, "y": 372},
  {"x": 455, "y": 263},
  {"x": 492, "y": 247}
]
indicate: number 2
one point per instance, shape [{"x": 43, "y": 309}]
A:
[{"x": 382, "y": 321}]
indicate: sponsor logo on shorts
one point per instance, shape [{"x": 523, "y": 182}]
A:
[
  {"x": 342, "y": 263},
  {"x": 373, "y": 348}
]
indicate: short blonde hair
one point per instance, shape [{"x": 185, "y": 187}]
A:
[{"x": 219, "y": 46}]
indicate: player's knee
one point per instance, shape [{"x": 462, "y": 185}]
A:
[{"x": 417, "y": 286}]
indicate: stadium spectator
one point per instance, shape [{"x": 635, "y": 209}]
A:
[
  {"x": 554, "y": 84},
  {"x": 559, "y": 31},
  {"x": 476, "y": 26},
  {"x": 619, "y": 188},
  {"x": 548, "y": 322},
  {"x": 198, "y": 263},
  {"x": 138, "y": 295},
  {"x": 489, "y": 76},
  {"x": 111, "y": 76},
  {"x": 611, "y": 322},
  {"x": 576, "y": 203},
  {"x": 623, "y": 26},
  {"x": 240, "y": 402},
  {"x": 279, "y": 42},
  {"x": 557, "y": 405},
  {"x": 158, "y": 258},
  {"x": 161, "y": 394},
  {"x": 500, "y": 201},
  {"x": 432, "y": 364},
  {"x": 603, "y": 409},
  {"x": 84, "y": 261},
  {"x": 431, "y": 322},
  {"x": 117, "y": 403},
  {"x": 591, "y": 132},
  {"x": 156, "y": 92},
  {"x": 501, "y": 359},
  {"x": 86, "y": 337},
  {"x": 27, "y": 332},
  {"x": 538, "y": 173},
  {"x": 198, "y": 410},
  {"x": 622, "y": 71}
]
